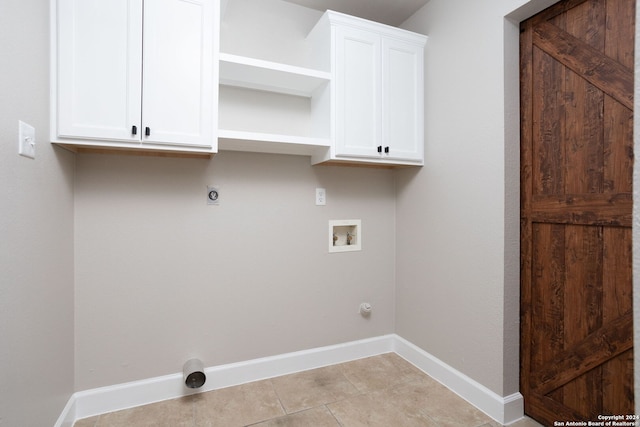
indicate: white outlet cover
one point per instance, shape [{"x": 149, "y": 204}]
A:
[
  {"x": 321, "y": 197},
  {"x": 26, "y": 140}
]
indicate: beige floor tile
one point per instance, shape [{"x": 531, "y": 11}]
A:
[
  {"x": 169, "y": 413},
  {"x": 238, "y": 406},
  {"x": 441, "y": 404},
  {"x": 492, "y": 424},
  {"x": 381, "y": 408},
  {"x": 526, "y": 422},
  {"x": 379, "y": 372},
  {"x": 312, "y": 388},
  {"x": 87, "y": 422},
  {"x": 316, "y": 417}
]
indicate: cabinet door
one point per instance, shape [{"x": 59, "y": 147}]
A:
[
  {"x": 99, "y": 68},
  {"x": 358, "y": 92},
  {"x": 403, "y": 100},
  {"x": 178, "y": 78}
]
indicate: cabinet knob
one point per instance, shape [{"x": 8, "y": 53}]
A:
[
  {"x": 147, "y": 131},
  {"x": 379, "y": 148},
  {"x": 386, "y": 150},
  {"x": 134, "y": 130}
]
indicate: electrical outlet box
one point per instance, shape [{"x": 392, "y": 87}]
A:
[
  {"x": 345, "y": 235},
  {"x": 213, "y": 195}
]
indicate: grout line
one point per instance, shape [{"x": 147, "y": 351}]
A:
[
  {"x": 275, "y": 390},
  {"x": 333, "y": 415}
]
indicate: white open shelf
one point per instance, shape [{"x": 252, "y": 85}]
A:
[
  {"x": 285, "y": 101},
  {"x": 270, "y": 143},
  {"x": 270, "y": 76}
]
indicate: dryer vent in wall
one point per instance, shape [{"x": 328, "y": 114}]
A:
[{"x": 193, "y": 373}]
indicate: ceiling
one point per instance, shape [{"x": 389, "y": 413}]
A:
[{"x": 390, "y": 12}]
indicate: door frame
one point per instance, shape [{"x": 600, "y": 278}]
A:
[{"x": 511, "y": 322}]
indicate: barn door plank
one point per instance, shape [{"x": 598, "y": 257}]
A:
[
  {"x": 606, "y": 74},
  {"x": 601, "y": 346}
]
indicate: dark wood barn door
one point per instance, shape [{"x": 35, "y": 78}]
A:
[{"x": 576, "y": 210}]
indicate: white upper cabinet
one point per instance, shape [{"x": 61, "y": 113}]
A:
[
  {"x": 148, "y": 75},
  {"x": 135, "y": 74},
  {"x": 403, "y": 100},
  {"x": 358, "y": 96},
  {"x": 378, "y": 91},
  {"x": 99, "y": 65},
  {"x": 178, "y": 77}
]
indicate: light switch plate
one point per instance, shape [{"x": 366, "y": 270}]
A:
[{"x": 26, "y": 140}]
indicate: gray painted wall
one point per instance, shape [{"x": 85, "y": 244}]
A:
[
  {"x": 457, "y": 286},
  {"x": 162, "y": 277},
  {"x": 36, "y": 229}
]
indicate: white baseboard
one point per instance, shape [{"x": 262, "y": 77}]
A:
[
  {"x": 97, "y": 401},
  {"x": 68, "y": 415},
  {"x": 128, "y": 395},
  {"x": 505, "y": 410}
]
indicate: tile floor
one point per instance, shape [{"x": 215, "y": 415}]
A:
[{"x": 382, "y": 390}]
